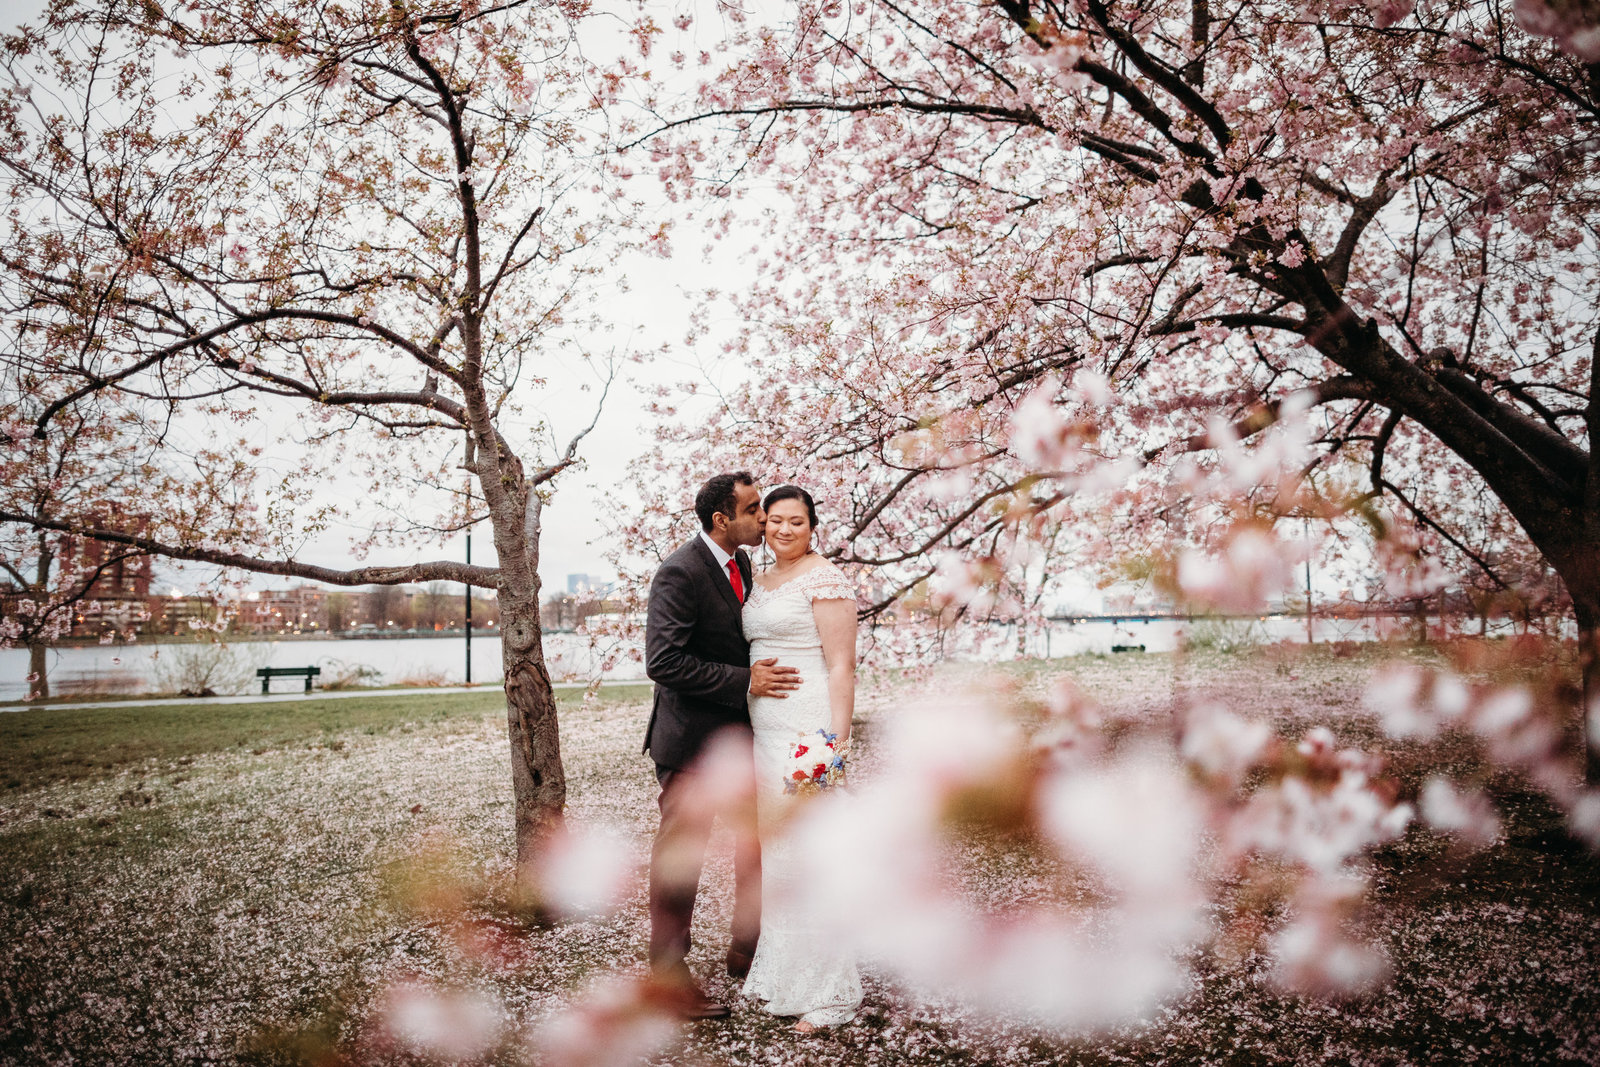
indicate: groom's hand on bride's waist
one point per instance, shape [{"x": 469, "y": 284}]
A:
[{"x": 767, "y": 679}]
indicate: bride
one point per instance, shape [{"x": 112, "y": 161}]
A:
[{"x": 803, "y": 611}]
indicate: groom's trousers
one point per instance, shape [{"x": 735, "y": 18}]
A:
[{"x": 676, "y": 861}]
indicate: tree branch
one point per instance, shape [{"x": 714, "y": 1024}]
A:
[
  {"x": 1380, "y": 443},
  {"x": 1263, "y": 415},
  {"x": 1020, "y": 116},
  {"x": 440, "y": 570},
  {"x": 544, "y": 474},
  {"x": 1455, "y": 542},
  {"x": 1564, "y": 459},
  {"x": 505, "y": 261}
]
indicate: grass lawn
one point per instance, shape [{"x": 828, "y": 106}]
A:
[
  {"x": 61, "y": 743},
  {"x": 238, "y": 883}
]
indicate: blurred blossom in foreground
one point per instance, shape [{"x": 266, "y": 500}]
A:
[
  {"x": 1467, "y": 813},
  {"x": 1136, "y": 822},
  {"x": 1314, "y": 953},
  {"x": 724, "y": 776},
  {"x": 1127, "y": 831},
  {"x": 1275, "y": 458},
  {"x": 617, "y": 1021},
  {"x": 1517, "y": 728},
  {"x": 1039, "y": 430},
  {"x": 1574, "y": 26},
  {"x": 446, "y": 1025},
  {"x": 964, "y": 583},
  {"x": 1221, "y": 745},
  {"x": 582, "y": 872},
  {"x": 1251, "y": 567},
  {"x": 585, "y": 872},
  {"x": 1322, "y": 816},
  {"x": 1584, "y": 819}
]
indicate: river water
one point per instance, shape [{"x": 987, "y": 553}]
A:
[
  {"x": 115, "y": 669},
  {"x": 132, "y": 669}
]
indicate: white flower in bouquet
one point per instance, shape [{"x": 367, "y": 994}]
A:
[{"x": 811, "y": 761}]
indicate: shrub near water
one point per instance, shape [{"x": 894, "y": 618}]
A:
[{"x": 209, "y": 667}]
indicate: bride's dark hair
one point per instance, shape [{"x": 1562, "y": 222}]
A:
[{"x": 792, "y": 492}]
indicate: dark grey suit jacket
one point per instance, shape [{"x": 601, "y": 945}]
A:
[{"x": 695, "y": 652}]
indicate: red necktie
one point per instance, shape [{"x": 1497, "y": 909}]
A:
[{"x": 738, "y": 583}]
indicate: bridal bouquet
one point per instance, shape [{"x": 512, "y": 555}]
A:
[{"x": 816, "y": 764}]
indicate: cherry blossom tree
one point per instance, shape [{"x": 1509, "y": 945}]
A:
[
  {"x": 334, "y": 243},
  {"x": 1046, "y": 248},
  {"x": 78, "y": 476}
]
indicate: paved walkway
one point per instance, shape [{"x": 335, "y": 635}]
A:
[{"x": 278, "y": 698}]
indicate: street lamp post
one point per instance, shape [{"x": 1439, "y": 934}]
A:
[
  {"x": 1310, "y": 639},
  {"x": 469, "y": 609}
]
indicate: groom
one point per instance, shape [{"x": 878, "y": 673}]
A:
[{"x": 696, "y": 654}]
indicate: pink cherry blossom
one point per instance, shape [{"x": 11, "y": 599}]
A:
[{"x": 1467, "y": 814}]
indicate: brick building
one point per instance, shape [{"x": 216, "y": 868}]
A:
[{"x": 303, "y": 609}]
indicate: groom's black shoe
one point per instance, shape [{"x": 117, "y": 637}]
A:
[{"x": 738, "y": 963}]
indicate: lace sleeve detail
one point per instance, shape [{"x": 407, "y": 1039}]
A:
[{"x": 826, "y": 583}]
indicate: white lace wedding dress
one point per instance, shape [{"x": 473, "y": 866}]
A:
[{"x": 802, "y": 965}]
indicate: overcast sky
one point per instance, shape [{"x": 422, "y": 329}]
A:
[{"x": 653, "y": 311}]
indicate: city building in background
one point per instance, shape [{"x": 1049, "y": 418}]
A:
[{"x": 588, "y": 585}]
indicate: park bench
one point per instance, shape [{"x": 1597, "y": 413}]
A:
[{"x": 266, "y": 674}]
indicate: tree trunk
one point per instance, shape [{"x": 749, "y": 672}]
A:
[
  {"x": 39, "y": 688},
  {"x": 1576, "y": 560},
  {"x": 539, "y": 784},
  {"x": 1577, "y": 563},
  {"x": 1583, "y": 584},
  {"x": 1587, "y": 612}
]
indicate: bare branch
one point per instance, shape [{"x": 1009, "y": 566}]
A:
[
  {"x": 1020, "y": 116},
  {"x": 1380, "y": 444},
  {"x": 440, "y": 570},
  {"x": 570, "y": 454},
  {"x": 1455, "y": 542},
  {"x": 506, "y": 260}
]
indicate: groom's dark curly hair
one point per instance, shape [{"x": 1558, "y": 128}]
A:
[{"x": 717, "y": 495}]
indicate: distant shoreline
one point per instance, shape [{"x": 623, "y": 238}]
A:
[{"x": 341, "y": 635}]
